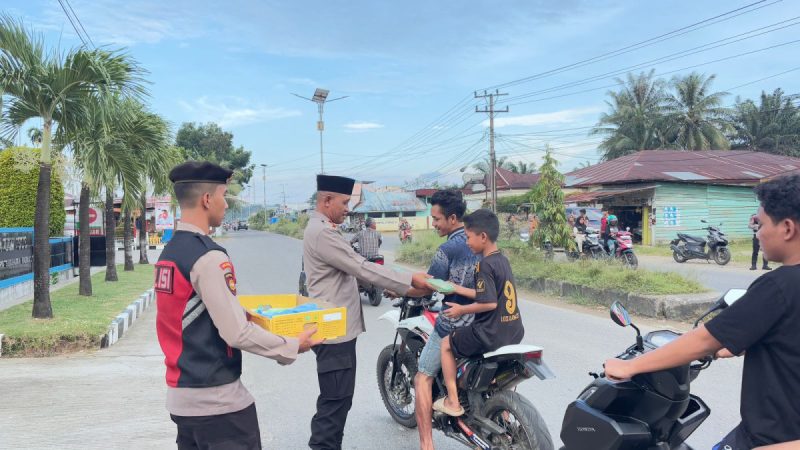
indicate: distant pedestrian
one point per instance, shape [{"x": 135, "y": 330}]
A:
[
  {"x": 756, "y": 246},
  {"x": 604, "y": 222}
]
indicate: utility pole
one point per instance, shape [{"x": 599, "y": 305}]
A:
[
  {"x": 492, "y": 96},
  {"x": 264, "y": 177},
  {"x": 283, "y": 190}
]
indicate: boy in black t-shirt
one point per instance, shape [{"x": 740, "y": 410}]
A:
[
  {"x": 762, "y": 325},
  {"x": 497, "y": 320}
]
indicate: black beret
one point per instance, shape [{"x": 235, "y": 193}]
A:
[
  {"x": 199, "y": 172},
  {"x": 332, "y": 183}
]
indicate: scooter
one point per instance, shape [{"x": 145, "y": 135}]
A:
[
  {"x": 686, "y": 247},
  {"x": 405, "y": 235},
  {"x": 594, "y": 248},
  {"x": 651, "y": 411},
  {"x": 624, "y": 249},
  {"x": 496, "y": 416}
]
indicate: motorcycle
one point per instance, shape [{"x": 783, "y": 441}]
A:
[
  {"x": 686, "y": 247},
  {"x": 496, "y": 416},
  {"x": 405, "y": 235},
  {"x": 651, "y": 411},
  {"x": 594, "y": 248}
]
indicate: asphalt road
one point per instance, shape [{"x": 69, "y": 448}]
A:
[{"x": 114, "y": 398}]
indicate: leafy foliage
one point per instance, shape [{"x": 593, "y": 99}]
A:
[
  {"x": 18, "y": 191},
  {"x": 209, "y": 142},
  {"x": 772, "y": 126},
  {"x": 548, "y": 203}
]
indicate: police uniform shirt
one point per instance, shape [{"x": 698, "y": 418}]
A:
[
  {"x": 332, "y": 267},
  {"x": 214, "y": 281}
]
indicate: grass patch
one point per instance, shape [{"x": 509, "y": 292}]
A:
[
  {"x": 528, "y": 264},
  {"x": 78, "y": 321},
  {"x": 286, "y": 226}
]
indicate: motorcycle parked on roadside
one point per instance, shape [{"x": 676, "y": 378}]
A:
[
  {"x": 496, "y": 416},
  {"x": 686, "y": 247},
  {"x": 651, "y": 411}
]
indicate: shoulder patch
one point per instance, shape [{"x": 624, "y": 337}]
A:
[
  {"x": 226, "y": 266},
  {"x": 164, "y": 279},
  {"x": 230, "y": 280}
]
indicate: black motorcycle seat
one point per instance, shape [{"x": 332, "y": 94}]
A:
[{"x": 692, "y": 239}]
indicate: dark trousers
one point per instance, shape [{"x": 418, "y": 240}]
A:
[
  {"x": 737, "y": 439},
  {"x": 756, "y": 248},
  {"x": 336, "y": 371},
  {"x": 233, "y": 431}
]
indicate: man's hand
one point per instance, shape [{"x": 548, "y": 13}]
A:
[
  {"x": 455, "y": 311},
  {"x": 419, "y": 280},
  {"x": 617, "y": 369},
  {"x": 390, "y": 294},
  {"x": 724, "y": 353},
  {"x": 305, "y": 340}
]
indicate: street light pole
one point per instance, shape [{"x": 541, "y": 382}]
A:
[
  {"x": 264, "y": 176},
  {"x": 320, "y": 98}
]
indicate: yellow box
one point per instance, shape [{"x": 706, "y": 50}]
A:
[{"x": 331, "y": 320}]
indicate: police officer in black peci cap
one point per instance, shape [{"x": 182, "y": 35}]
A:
[
  {"x": 332, "y": 269},
  {"x": 201, "y": 326}
]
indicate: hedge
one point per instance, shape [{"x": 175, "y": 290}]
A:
[{"x": 18, "y": 191}]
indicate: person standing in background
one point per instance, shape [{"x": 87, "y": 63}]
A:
[{"x": 756, "y": 246}]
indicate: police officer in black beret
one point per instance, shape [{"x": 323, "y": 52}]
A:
[
  {"x": 201, "y": 326},
  {"x": 332, "y": 269}
]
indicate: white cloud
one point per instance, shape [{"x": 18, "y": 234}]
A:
[
  {"x": 233, "y": 112},
  {"x": 551, "y": 118},
  {"x": 355, "y": 127}
]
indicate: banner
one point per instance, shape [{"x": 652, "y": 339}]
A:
[
  {"x": 164, "y": 217},
  {"x": 16, "y": 253}
]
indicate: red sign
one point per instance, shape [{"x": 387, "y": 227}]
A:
[{"x": 92, "y": 215}]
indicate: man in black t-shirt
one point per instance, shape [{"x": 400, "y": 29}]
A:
[
  {"x": 762, "y": 325},
  {"x": 497, "y": 319}
]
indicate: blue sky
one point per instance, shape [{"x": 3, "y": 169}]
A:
[{"x": 409, "y": 70}]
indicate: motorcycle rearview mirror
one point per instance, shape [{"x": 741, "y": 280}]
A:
[
  {"x": 703, "y": 220},
  {"x": 732, "y": 295},
  {"x": 621, "y": 317},
  {"x": 627, "y": 228}
]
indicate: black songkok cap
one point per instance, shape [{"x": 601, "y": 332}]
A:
[
  {"x": 199, "y": 172},
  {"x": 332, "y": 183}
]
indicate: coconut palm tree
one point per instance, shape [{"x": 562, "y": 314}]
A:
[
  {"x": 52, "y": 86},
  {"x": 695, "y": 115},
  {"x": 484, "y": 166},
  {"x": 635, "y": 118},
  {"x": 35, "y": 135},
  {"x": 522, "y": 167},
  {"x": 772, "y": 126}
]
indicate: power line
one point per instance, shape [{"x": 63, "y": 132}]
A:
[
  {"x": 74, "y": 27},
  {"x": 646, "y": 43},
  {"x": 80, "y": 23}
]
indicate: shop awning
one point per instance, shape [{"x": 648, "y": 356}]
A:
[{"x": 590, "y": 196}]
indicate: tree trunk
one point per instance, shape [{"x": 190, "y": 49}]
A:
[
  {"x": 111, "y": 267},
  {"x": 42, "y": 309},
  {"x": 84, "y": 247},
  {"x": 128, "y": 237},
  {"x": 143, "y": 231}
]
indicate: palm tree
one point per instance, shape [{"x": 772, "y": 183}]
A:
[
  {"x": 696, "y": 118},
  {"x": 52, "y": 86},
  {"x": 35, "y": 135},
  {"x": 484, "y": 166},
  {"x": 522, "y": 167},
  {"x": 635, "y": 118},
  {"x": 773, "y": 126}
]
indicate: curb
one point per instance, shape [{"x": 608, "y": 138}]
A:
[
  {"x": 120, "y": 325},
  {"x": 671, "y": 307}
]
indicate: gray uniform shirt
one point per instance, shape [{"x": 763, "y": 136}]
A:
[{"x": 333, "y": 267}]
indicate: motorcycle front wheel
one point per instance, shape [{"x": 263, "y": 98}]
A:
[
  {"x": 722, "y": 256},
  {"x": 630, "y": 260},
  {"x": 399, "y": 397},
  {"x": 375, "y": 296},
  {"x": 523, "y": 425}
]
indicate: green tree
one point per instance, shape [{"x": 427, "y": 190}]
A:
[
  {"x": 696, "y": 119},
  {"x": 522, "y": 167},
  {"x": 484, "y": 166},
  {"x": 52, "y": 86},
  {"x": 209, "y": 142},
  {"x": 772, "y": 126},
  {"x": 635, "y": 120},
  {"x": 548, "y": 203}
]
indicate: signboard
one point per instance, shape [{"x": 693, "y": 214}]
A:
[
  {"x": 164, "y": 217},
  {"x": 16, "y": 253},
  {"x": 672, "y": 216}
]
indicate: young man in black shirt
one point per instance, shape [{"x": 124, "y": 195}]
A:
[
  {"x": 762, "y": 326},
  {"x": 497, "y": 320}
]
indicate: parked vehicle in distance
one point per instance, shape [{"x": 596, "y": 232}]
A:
[{"x": 242, "y": 225}]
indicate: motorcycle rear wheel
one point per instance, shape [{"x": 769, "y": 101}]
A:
[
  {"x": 722, "y": 256},
  {"x": 398, "y": 399},
  {"x": 525, "y": 428},
  {"x": 678, "y": 257},
  {"x": 630, "y": 260}
]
